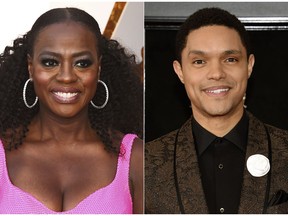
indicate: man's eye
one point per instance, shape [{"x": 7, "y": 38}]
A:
[
  {"x": 231, "y": 60},
  {"x": 49, "y": 62},
  {"x": 198, "y": 62},
  {"x": 83, "y": 63}
]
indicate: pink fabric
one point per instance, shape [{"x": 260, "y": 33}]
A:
[{"x": 115, "y": 198}]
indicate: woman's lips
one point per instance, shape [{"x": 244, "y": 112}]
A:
[{"x": 66, "y": 96}]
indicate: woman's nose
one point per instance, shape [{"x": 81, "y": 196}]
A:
[{"x": 66, "y": 73}]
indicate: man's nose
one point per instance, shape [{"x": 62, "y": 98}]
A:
[{"x": 216, "y": 71}]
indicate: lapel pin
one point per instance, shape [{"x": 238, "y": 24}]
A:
[{"x": 258, "y": 165}]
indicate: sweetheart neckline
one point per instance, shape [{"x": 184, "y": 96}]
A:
[{"x": 32, "y": 197}]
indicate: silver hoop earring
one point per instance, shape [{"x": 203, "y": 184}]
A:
[
  {"x": 107, "y": 96},
  {"x": 24, "y": 95}
]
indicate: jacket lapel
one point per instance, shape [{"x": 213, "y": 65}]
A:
[
  {"x": 190, "y": 185},
  {"x": 254, "y": 188},
  {"x": 189, "y": 179}
]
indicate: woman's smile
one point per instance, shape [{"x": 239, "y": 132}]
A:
[
  {"x": 66, "y": 97},
  {"x": 65, "y": 68}
]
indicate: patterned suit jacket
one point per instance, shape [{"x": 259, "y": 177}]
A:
[{"x": 160, "y": 192}]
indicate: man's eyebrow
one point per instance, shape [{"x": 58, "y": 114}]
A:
[
  {"x": 229, "y": 52},
  {"x": 196, "y": 52},
  {"x": 226, "y": 52}
]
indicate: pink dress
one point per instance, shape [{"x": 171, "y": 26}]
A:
[{"x": 115, "y": 198}]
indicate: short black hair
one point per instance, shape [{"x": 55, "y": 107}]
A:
[{"x": 209, "y": 17}]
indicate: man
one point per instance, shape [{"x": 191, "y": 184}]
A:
[{"x": 223, "y": 159}]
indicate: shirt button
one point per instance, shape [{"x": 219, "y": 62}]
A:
[
  {"x": 218, "y": 140},
  {"x": 222, "y": 210},
  {"x": 220, "y": 166}
]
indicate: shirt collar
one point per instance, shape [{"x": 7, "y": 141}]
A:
[{"x": 237, "y": 136}]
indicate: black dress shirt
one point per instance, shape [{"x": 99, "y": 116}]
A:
[{"x": 221, "y": 163}]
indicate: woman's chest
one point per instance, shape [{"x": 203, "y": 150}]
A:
[{"x": 60, "y": 183}]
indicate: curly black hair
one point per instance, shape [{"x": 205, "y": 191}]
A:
[
  {"x": 209, "y": 17},
  {"x": 124, "y": 111}
]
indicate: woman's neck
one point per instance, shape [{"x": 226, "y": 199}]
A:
[{"x": 61, "y": 130}]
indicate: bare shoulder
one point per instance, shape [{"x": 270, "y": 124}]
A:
[
  {"x": 136, "y": 175},
  {"x": 137, "y": 156},
  {"x": 137, "y": 149},
  {"x": 136, "y": 161}
]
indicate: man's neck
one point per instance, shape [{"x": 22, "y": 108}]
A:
[{"x": 219, "y": 125}]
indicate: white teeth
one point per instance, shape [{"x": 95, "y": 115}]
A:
[
  {"x": 66, "y": 95},
  {"x": 217, "y": 91}
]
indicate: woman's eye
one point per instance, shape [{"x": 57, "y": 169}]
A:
[
  {"x": 83, "y": 63},
  {"x": 49, "y": 62}
]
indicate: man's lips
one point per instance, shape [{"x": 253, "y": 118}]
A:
[{"x": 217, "y": 91}]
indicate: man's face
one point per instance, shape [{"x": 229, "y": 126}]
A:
[{"x": 214, "y": 70}]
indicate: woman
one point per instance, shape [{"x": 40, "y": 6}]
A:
[{"x": 68, "y": 99}]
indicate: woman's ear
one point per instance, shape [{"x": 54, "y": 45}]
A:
[
  {"x": 99, "y": 69},
  {"x": 30, "y": 65}
]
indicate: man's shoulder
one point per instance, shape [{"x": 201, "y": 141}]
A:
[
  {"x": 278, "y": 136},
  {"x": 161, "y": 148},
  {"x": 277, "y": 132},
  {"x": 279, "y": 139},
  {"x": 166, "y": 139},
  {"x": 159, "y": 175},
  {"x": 272, "y": 129},
  {"x": 169, "y": 138}
]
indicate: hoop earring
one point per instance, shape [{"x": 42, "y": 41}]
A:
[
  {"x": 24, "y": 95},
  {"x": 107, "y": 96}
]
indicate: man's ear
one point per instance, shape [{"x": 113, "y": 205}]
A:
[
  {"x": 251, "y": 62},
  {"x": 178, "y": 70},
  {"x": 30, "y": 65}
]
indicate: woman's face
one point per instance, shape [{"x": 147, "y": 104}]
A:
[{"x": 65, "y": 67}]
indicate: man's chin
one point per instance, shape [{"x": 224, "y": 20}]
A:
[{"x": 221, "y": 112}]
